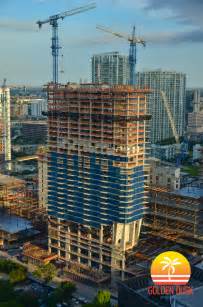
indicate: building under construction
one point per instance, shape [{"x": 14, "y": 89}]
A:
[
  {"x": 176, "y": 216},
  {"x": 96, "y": 156},
  {"x": 17, "y": 199},
  {"x": 5, "y": 133}
]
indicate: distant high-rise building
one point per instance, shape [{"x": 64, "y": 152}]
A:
[
  {"x": 28, "y": 107},
  {"x": 36, "y": 107},
  {"x": 5, "y": 124},
  {"x": 174, "y": 86},
  {"x": 111, "y": 68},
  {"x": 194, "y": 102}
]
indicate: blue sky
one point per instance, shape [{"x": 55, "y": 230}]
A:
[{"x": 173, "y": 30}]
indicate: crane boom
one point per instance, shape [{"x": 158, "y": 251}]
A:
[
  {"x": 170, "y": 117},
  {"x": 122, "y": 35},
  {"x": 107, "y": 30},
  {"x": 53, "y": 21},
  {"x": 133, "y": 40},
  {"x": 66, "y": 14}
]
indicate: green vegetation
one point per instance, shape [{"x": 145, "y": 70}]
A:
[
  {"x": 61, "y": 294},
  {"x": 6, "y": 291},
  {"x": 102, "y": 299},
  {"x": 27, "y": 299},
  {"x": 193, "y": 170},
  {"x": 17, "y": 275},
  {"x": 10, "y": 298},
  {"x": 15, "y": 271},
  {"x": 46, "y": 272}
]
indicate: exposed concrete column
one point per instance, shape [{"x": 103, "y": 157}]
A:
[
  {"x": 113, "y": 234},
  {"x": 123, "y": 241},
  {"x": 68, "y": 244},
  {"x": 49, "y": 244},
  {"x": 58, "y": 235},
  {"x": 79, "y": 250},
  {"x": 100, "y": 250},
  {"x": 123, "y": 268},
  {"x": 138, "y": 228},
  {"x": 133, "y": 233},
  {"x": 89, "y": 250}
]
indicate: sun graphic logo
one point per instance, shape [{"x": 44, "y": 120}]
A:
[{"x": 170, "y": 268}]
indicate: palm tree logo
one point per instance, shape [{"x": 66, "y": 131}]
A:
[{"x": 169, "y": 264}]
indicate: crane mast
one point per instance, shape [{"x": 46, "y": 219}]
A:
[
  {"x": 55, "y": 46},
  {"x": 133, "y": 40},
  {"x": 133, "y": 59}
]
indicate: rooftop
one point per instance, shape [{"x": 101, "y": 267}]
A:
[
  {"x": 13, "y": 224},
  {"x": 193, "y": 192},
  {"x": 38, "y": 253}
]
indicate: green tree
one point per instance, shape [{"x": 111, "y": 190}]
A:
[
  {"x": 46, "y": 272},
  {"x": 11, "y": 303},
  {"x": 28, "y": 300},
  {"x": 17, "y": 275},
  {"x": 6, "y": 266},
  {"x": 102, "y": 299},
  {"x": 6, "y": 291},
  {"x": 68, "y": 288},
  {"x": 61, "y": 294}
]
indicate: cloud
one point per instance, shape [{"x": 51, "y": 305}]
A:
[
  {"x": 15, "y": 25},
  {"x": 187, "y": 11},
  {"x": 193, "y": 36}
]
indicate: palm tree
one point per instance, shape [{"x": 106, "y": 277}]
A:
[{"x": 170, "y": 264}]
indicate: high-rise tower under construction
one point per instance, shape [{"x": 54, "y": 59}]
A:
[{"x": 96, "y": 157}]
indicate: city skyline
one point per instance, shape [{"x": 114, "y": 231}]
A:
[{"x": 174, "y": 34}]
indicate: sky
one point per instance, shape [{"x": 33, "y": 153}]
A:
[{"x": 173, "y": 30}]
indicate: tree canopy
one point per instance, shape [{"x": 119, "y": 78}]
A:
[{"x": 46, "y": 272}]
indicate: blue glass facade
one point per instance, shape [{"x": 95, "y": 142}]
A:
[{"x": 85, "y": 193}]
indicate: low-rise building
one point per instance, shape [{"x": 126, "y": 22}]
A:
[
  {"x": 197, "y": 152},
  {"x": 176, "y": 216},
  {"x": 28, "y": 107},
  {"x": 164, "y": 174},
  {"x": 165, "y": 152}
]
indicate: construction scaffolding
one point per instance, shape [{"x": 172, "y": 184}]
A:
[
  {"x": 176, "y": 217},
  {"x": 18, "y": 200},
  {"x": 97, "y": 143}
]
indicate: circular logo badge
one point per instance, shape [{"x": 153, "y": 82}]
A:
[{"x": 170, "y": 268}]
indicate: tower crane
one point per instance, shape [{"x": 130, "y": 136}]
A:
[
  {"x": 53, "y": 21},
  {"x": 133, "y": 40}
]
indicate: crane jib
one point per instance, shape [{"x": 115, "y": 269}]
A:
[{"x": 53, "y": 21}]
